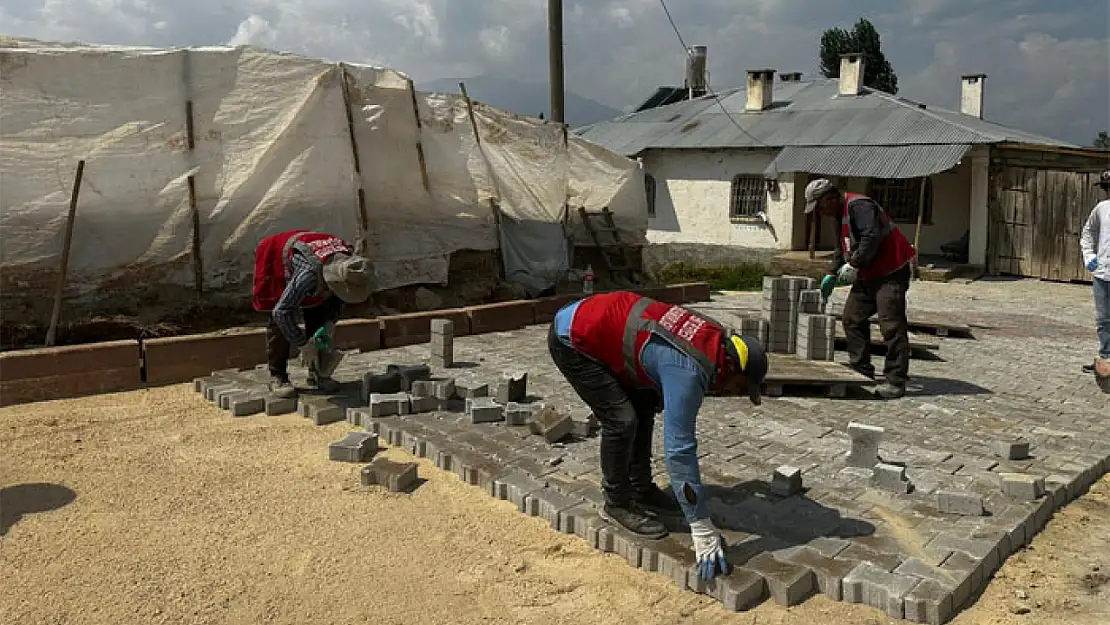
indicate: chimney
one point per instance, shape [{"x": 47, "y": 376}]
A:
[
  {"x": 696, "y": 59},
  {"x": 971, "y": 95},
  {"x": 790, "y": 77},
  {"x": 760, "y": 84},
  {"x": 851, "y": 74}
]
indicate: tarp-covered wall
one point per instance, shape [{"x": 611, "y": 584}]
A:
[{"x": 272, "y": 151}]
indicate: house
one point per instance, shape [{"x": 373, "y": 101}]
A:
[{"x": 726, "y": 171}]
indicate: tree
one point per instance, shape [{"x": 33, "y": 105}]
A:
[
  {"x": 1102, "y": 141},
  {"x": 863, "y": 39}
]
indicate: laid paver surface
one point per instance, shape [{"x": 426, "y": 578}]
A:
[{"x": 1019, "y": 378}]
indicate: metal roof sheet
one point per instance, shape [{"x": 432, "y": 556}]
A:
[
  {"x": 807, "y": 113},
  {"x": 869, "y": 161}
]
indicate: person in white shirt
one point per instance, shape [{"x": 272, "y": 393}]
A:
[{"x": 1094, "y": 241}]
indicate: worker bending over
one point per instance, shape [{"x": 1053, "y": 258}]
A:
[
  {"x": 314, "y": 274},
  {"x": 874, "y": 257},
  {"x": 629, "y": 356}
]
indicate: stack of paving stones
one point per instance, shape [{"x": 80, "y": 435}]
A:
[
  {"x": 443, "y": 343},
  {"x": 987, "y": 471},
  {"x": 780, "y": 307}
]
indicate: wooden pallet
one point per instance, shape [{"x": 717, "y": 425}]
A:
[{"x": 787, "y": 370}]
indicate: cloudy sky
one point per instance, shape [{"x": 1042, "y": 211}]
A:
[{"x": 1048, "y": 60}]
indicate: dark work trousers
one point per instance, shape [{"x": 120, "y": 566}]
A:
[
  {"x": 887, "y": 297},
  {"x": 627, "y": 417},
  {"x": 277, "y": 348}
]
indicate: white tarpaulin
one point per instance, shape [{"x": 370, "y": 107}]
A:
[{"x": 272, "y": 151}]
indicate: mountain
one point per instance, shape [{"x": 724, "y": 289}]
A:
[{"x": 524, "y": 98}]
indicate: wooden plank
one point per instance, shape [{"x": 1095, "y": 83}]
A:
[
  {"x": 790, "y": 369},
  {"x": 917, "y": 341},
  {"x": 936, "y": 322}
]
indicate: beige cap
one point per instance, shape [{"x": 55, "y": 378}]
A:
[
  {"x": 815, "y": 190},
  {"x": 351, "y": 278}
]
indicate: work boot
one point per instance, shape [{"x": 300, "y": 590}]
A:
[
  {"x": 321, "y": 383},
  {"x": 633, "y": 519},
  {"x": 655, "y": 498},
  {"x": 281, "y": 387},
  {"x": 889, "y": 391},
  {"x": 867, "y": 370}
]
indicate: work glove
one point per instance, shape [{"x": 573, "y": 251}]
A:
[
  {"x": 310, "y": 354},
  {"x": 1091, "y": 266},
  {"x": 827, "y": 286},
  {"x": 322, "y": 339},
  {"x": 709, "y": 547},
  {"x": 847, "y": 273}
]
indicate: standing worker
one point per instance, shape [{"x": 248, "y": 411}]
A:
[
  {"x": 623, "y": 353},
  {"x": 1094, "y": 241},
  {"x": 874, "y": 257},
  {"x": 313, "y": 273}
]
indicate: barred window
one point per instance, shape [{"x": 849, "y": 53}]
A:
[
  {"x": 901, "y": 198},
  {"x": 649, "y": 188},
  {"x": 749, "y": 197}
]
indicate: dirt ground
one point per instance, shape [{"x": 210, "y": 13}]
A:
[{"x": 155, "y": 507}]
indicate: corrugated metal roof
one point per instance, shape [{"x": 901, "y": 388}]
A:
[
  {"x": 869, "y": 161},
  {"x": 807, "y": 113}
]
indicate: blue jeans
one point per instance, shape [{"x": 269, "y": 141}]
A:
[{"x": 1102, "y": 316}]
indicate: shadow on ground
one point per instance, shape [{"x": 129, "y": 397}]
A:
[
  {"x": 22, "y": 499},
  {"x": 925, "y": 386}
]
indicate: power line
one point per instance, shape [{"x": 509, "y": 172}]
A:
[{"x": 708, "y": 87}]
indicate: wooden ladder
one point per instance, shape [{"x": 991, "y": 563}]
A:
[{"x": 614, "y": 254}]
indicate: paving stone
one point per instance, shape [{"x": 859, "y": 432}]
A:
[
  {"x": 865, "y": 445},
  {"x": 355, "y": 447},
  {"x": 966, "y": 568},
  {"x": 675, "y": 559},
  {"x": 389, "y": 404},
  {"x": 515, "y": 487},
  {"x": 1022, "y": 486},
  {"x": 422, "y": 405},
  {"x": 380, "y": 383},
  {"x": 423, "y": 388},
  {"x": 883, "y": 590},
  {"x": 395, "y": 476},
  {"x": 224, "y": 395},
  {"x": 512, "y": 387},
  {"x": 582, "y": 521},
  {"x": 484, "y": 410},
  {"x": 212, "y": 391},
  {"x": 891, "y": 477},
  {"x": 738, "y": 591},
  {"x": 860, "y": 554},
  {"x": 410, "y": 374},
  {"x": 276, "y": 406},
  {"x": 828, "y": 572},
  {"x": 586, "y": 425},
  {"x": 247, "y": 404},
  {"x": 443, "y": 389},
  {"x": 788, "y": 583},
  {"x": 322, "y": 411},
  {"x": 1011, "y": 449},
  {"x": 967, "y": 504},
  {"x": 786, "y": 481},
  {"x": 928, "y": 602},
  {"x": 517, "y": 414},
  {"x": 551, "y": 425},
  {"x": 986, "y": 551}
]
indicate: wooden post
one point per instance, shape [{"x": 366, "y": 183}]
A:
[
  {"x": 814, "y": 224},
  {"x": 198, "y": 267},
  {"x": 920, "y": 217},
  {"x": 419, "y": 137},
  {"x": 492, "y": 204},
  {"x": 67, "y": 243},
  {"x": 360, "y": 193}
]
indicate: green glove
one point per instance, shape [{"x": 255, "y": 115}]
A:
[
  {"x": 321, "y": 340},
  {"x": 827, "y": 286}
]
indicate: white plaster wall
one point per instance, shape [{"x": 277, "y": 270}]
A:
[{"x": 693, "y": 190}]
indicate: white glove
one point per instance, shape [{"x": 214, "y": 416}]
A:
[
  {"x": 847, "y": 273},
  {"x": 710, "y": 549}
]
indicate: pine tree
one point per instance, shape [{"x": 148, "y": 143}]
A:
[{"x": 864, "y": 39}]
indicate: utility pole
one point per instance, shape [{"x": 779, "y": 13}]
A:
[{"x": 555, "y": 58}]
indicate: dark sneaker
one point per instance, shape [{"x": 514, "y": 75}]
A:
[
  {"x": 890, "y": 391},
  {"x": 657, "y": 499},
  {"x": 866, "y": 370},
  {"x": 634, "y": 520},
  {"x": 327, "y": 385},
  {"x": 281, "y": 387}
]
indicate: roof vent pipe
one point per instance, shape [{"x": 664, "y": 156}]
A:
[
  {"x": 851, "y": 74},
  {"x": 696, "y": 60},
  {"x": 760, "y": 89}
]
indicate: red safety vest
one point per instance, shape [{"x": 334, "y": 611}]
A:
[
  {"x": 894, "y": 251},
  {"x": 273, "y": 264},
  {"x": 614, "y": 327}
]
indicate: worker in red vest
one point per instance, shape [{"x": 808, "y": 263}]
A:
[
  {"x": 629, "y": 356},
  {"x": 314, "y": 274},
  {"x": 874, "y": 257}
]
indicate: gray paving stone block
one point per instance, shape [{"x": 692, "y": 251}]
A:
[
  {"x": 1022, "y": 486},
  {"x": 786, "y": 481},
  {"x": 354, "y": 447},
  {"x": 828, "y": 572},
  {"x": 443, "y": 327},
  {"x": 322, "y": 411},
  {"x": 410, "y": 374},
  {"x": 1011, "y": 449},
  {"x": 551, "y": 425},
  {"x": 861, "y": 554},
  {"x": 423, "y": 388},
  {"x": 469, "y": 389},
  {"x": 484, "y": 410},
  {"x": 739, "y": 591},
  {"x": 966, "y": 568},
  {"x": 247, "y": 404},
  {"x": 865, "y": 445},
  {"x": 389, "y": 404},
  {"x": 395, "y": 476},
  {"x": 422, "y": 405},
  {"x": 512, "y": 387},
  {"x": 891, "y": 477},
  {"x": 547, "y": 503},
  {"x": 585, "y": 425},
  {"x": 582, "y": 521},
  {"x": 675, "y": 560},
  {"x": 381, "y": 384},
  {"x": 517, "y": 415},
  {"x": 515, "y": 487},
  {"x": 965, "y": 503},
  {"x": 276, "y": 406},
  {"x": 212, "y": 390},
  {"x": 883, "y": 590},
  {"x": 225, "y": 394},
  {"x": 928, "y": 603},
  {"x": 788, "y": 583},
  {"x": 983, "y": 550}
]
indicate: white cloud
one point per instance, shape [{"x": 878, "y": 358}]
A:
[{"x": 1048, "y": 61}]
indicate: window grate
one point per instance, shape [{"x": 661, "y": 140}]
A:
[
  {"x": 649, "y": 189},
  {"x": 900, "y": 198},
  {"x": 749, "y": 197}
]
